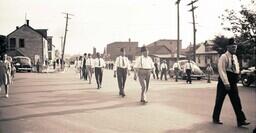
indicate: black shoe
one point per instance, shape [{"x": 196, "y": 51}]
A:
[
  {"x": 244, "y": 123},
  {"x": 143, "y": 101},
  {"x": 217, "y": 122},
  {"x": 123, "y": 95}
]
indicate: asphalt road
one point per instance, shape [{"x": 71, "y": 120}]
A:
[{"x": 62, "y": 103}]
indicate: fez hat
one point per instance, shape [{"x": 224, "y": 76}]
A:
[
  {"x": 122, "y": 50},
  {"x": 143, "y": 49},
  {"x": 231, "y": 41}
]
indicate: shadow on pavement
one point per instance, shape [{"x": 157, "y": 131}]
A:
[{"x": 209, "y": 127}]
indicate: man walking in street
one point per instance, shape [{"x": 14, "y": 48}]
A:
[
  {"x": 99, "y": 64},
  {"x": 89, "y": 67},
  {"x": 163, "y": 69},
  {"x": 188, "y": 69},
  {"x": 121, "y": 68},
  {"x": 84, "y": 67},
  {"x": 143, "y": 67},
  {"x": 176, "y": 67},
  {"x": 156, "y": 64},
  {"x": 228, "y": 68}
]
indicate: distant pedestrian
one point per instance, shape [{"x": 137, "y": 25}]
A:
[
  {"x": 209, "y": 72},
  {"x": 121, "y": 69},
  {"x": 156, "y": 70},
  {"x": 84, "y": 66},
  {"x": 188, "y": 68},
  {"x": 163, "y": 69},
  {"x": 99, "y": 64},
  {"x": 79, "y": 66},
  {"x": 89, "y": 67},
  {"x": 176, "y": 67},
  {"x": 228, "y": 68},
  {"x": 143, "y": 68},
  {"x": 38, "y": 65}
]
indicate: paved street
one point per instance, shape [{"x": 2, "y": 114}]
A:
[{"x": 61, "y": 103}]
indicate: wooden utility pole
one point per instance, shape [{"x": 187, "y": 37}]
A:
[
  {"x": 65, "y": 36},
  {"x": 194, "y": 27},
  {"x": 178, "y": 29}
]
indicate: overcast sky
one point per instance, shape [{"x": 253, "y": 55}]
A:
[{"x": 97, "y": 23}]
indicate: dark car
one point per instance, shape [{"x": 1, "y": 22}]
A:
[
  {"x": 248, "y": 76},
  {"x": 196, "y": 74},
  {"x": 22, "y": 63}
]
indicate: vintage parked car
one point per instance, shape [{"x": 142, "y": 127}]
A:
[
  {"x": 196, "y": 74},
  {"x": 248, "y": 76},
  {"x": 22, "y": 63}
]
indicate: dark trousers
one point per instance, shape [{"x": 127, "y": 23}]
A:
[
  {"x": 188, "y": 72},
  {"x": 233, "y": 96},
  {"x": 98, "y": 76},
  {"x": 121, "y": 79},
  {"x": 164, "y": 72},
  {"x": 84, "y": 72},
  {"x": 156, "y": 74}
]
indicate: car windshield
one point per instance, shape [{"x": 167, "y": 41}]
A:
[{"x": 23, "y": 61}]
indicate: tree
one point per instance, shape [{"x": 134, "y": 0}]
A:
[{"x": 243, "y": 25}]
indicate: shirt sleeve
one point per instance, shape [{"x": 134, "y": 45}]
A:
[
  {"x": 115, "y": 65},
  {"x": 222, "y": 69},
  {"x": 236, "y": 64}
]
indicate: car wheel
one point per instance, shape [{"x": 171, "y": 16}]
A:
[
  {"x": 198, "y": 78},
  {"x": 245, "y": 81}
]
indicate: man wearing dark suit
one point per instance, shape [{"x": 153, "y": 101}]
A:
[
  {"x": 228, "y": 68},
  {"x": 84, "y": 66}
]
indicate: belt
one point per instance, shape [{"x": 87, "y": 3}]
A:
[{"x": 144, "y": 69}]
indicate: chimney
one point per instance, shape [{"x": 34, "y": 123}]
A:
[
  {"x": 17, "y": 27},
  {"x": 27, "y": 22}
]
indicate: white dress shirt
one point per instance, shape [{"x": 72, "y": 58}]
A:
[
  {"x": 144, "y": 63},
  {"x": 189, "y": 66},
  {"x": 99, "y": 62},
  {"x": 79, "y": 63},
  {"x": 225, "y": 64},
  {"x": 89, "y": 62},
  {"x": 176, "y": 65},
  {"x": 163, "y": 66},
  {"x": 122, "y": 62}
]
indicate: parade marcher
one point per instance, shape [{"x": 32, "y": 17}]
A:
[
  {"x": 79, "y": 66},
  {"x": 38, "y": 65},
  {"x": 209, "y": 72},
  {"x": 84, "y": 66},
  {"x": 99, "y": 64},
  {"x": 89, "y": 67},
  {"x": 143, "y": 67},
  {"x": 6, "y": 74},
  {"x": 228, "y": 68},
  {"x": 121, "y": 69},
  {"x": 176, "y": 67},
  {"x": 156, "y": 70},
  {"x": 3, "y": 77},
  {"x": 188, "y": 69},
  {"x": 163, "y": 69},
  {"x": 76, "y": 64}
]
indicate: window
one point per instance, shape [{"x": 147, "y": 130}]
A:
[
  {"x": 12, "y": 43},
  {"x": 22, "y": 43}
]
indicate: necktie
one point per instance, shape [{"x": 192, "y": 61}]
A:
[
  {"x": 233, "y": 66},
  {"x": 99, "y": 62},
  {"x": 123, "y": 61}
]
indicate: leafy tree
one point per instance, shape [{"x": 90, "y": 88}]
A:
[{"x": 243, "y": 25}]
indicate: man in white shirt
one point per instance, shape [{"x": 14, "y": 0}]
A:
[
  {"x": 176, "y": 67},
  {"x": 121, "y": 68},
  {"x": 99, "y": 64},
  {"x": 228, "y": 68},
  {"x": 188, "y": 68},
  {"x": 143, "y": 67},
  {"x": 163, "y": 69},
  {"x": 89, "y": 67}
]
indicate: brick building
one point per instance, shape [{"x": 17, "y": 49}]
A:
[
  {"x": 30, "y": 42},
  {"x": 113, "y": 49}
]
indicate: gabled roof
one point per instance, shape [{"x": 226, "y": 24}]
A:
[
  {"x": 29, "y": 28},
  {"x": 153, "y": 49}
]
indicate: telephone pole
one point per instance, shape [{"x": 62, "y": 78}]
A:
[
  {"x": 65, "y": 36},
  {"x": 178, "y": 29},
  {"x": 194, "y": 27}
]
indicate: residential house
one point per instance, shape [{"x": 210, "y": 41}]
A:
[{"x": 30, "y": 42}]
